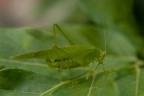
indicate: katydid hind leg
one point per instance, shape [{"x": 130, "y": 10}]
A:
[
  {"x": 56, "y": 26},
  {"x": 54, "y": 38}
]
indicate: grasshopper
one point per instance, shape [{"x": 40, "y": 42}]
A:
[{"x": 69, "y": 57}]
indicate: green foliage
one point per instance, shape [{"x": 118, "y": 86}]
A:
[{"x": 124, "y": 75}]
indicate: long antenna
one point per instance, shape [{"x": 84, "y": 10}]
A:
[
  {"x": 105, "y": 43},
  {"x": 110, "y": 39},
  {"x": 55, "y": 42}
]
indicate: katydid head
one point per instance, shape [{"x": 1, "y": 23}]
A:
[{"x": 101, "y": 57}]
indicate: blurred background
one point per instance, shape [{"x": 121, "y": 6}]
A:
[{"x": 39, "y": 13}]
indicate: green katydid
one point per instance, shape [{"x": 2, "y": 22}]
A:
[{"x": 66, "y": 57}]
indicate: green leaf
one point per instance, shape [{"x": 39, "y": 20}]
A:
[
  {"x": 25, "y": 83},
  {"x": 15, "y": 41},
  {"x": 16, "y": 82},
  {"x": 34, "y": 78}
]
